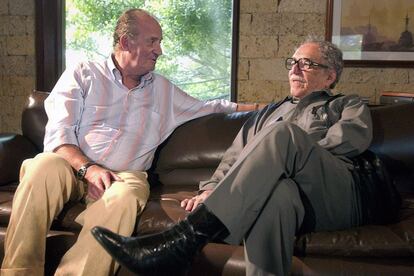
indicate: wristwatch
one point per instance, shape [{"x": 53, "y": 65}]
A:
[{"x": 80, "y": 174}]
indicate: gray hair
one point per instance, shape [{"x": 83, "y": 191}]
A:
[
  {"x": 332, "y": 54},
  {"x": 127, "y": 24}
]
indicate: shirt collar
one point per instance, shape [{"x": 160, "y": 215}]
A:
[
  {"x": 310, "y": 97},
  {"x": 116, "y": 74},
  {"x": 146, "y": 80},
  {"x": 320, "y": 93},
  {"x": 294, "y": 100}
]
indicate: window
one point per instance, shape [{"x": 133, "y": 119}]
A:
[{"x": 199, "y": 49}]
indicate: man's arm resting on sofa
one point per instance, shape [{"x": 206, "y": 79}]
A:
[{"x": 249, "y": 107}]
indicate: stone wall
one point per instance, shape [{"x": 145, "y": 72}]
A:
[
  {"x": 269, "y": 32},
  {"x": 17, "y": 60}
]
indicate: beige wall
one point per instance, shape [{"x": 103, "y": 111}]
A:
[
  {"x": 17, "y": 60},
  {"x": 268, "y": 34},
  {"x": 269, "y": 31}
]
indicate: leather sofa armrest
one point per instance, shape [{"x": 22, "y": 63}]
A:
[{"x": 14, "y": 148}]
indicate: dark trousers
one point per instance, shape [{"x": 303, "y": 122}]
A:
[{"x": 281, "y": 178}]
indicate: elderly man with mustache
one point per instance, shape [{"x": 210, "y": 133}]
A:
[{"x": 288, "y": 171}]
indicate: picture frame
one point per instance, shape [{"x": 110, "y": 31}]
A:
[{"x": 362, "y": 30}]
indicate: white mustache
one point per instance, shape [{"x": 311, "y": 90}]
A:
[{"x": 297, "y": 79}]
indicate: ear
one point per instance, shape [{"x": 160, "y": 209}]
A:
[
  {"x": 331, "y": 77},
  {"x": 124, "y": 43}
]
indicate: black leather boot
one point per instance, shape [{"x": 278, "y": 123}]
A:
[{"x": 167, "y": 252}]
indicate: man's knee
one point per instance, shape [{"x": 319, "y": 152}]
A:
[
  {"x": 125, "y": 196},
  {"x": 135, "y": 186},
  {"x": 43, "y": 166},
  {"x": 46, "y": 160},
  {"x": 122, "y": 193},
  {"x": 285, "y": 134}
]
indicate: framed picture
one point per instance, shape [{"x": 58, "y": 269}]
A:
[{"x": 372, "y": 33}]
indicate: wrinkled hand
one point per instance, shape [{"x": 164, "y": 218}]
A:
[
  {"x": 190, "y": 204},
  {"x": 99, "y": 179}
]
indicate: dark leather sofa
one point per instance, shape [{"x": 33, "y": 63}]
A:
[{"x": 191, "y": 154}]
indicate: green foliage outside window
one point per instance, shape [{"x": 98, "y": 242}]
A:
[{"x": 196, "y": 45}]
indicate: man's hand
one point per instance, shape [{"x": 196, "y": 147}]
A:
[
  {"x": 99, "y": 179},
  {"x": 191, "y": 203}
]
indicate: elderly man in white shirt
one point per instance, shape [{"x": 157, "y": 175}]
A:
[{"x": 106, "y": 120}]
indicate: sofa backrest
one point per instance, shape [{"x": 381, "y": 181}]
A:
[
  {"x": 194, "y": 150},
  {"x": 393, "y": 141},
  {"x": 34, "y": 118}
]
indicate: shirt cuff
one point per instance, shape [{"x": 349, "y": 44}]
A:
[
  {"x": 54, "y": 139},
  {"x": 207, "y": 185}
]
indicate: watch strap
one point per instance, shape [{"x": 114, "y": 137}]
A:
[{"x": 80, "y": 174}]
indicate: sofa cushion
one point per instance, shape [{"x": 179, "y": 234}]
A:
[
  {"x": 6, "y": 200},
  {"x": 362, "y": 266},
  {"x": 163, "y": 208},
  {"x": 393, "y": 240}
]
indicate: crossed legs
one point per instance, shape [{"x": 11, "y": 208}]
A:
[{"x": 259, "y": 200}]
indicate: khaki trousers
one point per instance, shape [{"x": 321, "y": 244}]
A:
[{"x": 47, "y": 182}]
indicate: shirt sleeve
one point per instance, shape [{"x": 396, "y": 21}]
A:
[
  {"x": 352, "y": 133},
  {"x": 231, "y": 155},
  {"x": 187, "y": 108},
  {"x": 64, "y": 108}
]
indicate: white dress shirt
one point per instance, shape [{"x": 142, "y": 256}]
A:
[{"x": 116, "y": 127}]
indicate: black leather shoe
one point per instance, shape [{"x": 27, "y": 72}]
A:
[{"x": 169, "y": 251}]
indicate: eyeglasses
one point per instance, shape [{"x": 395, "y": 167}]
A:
[{"x": 303, "y": 63}]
